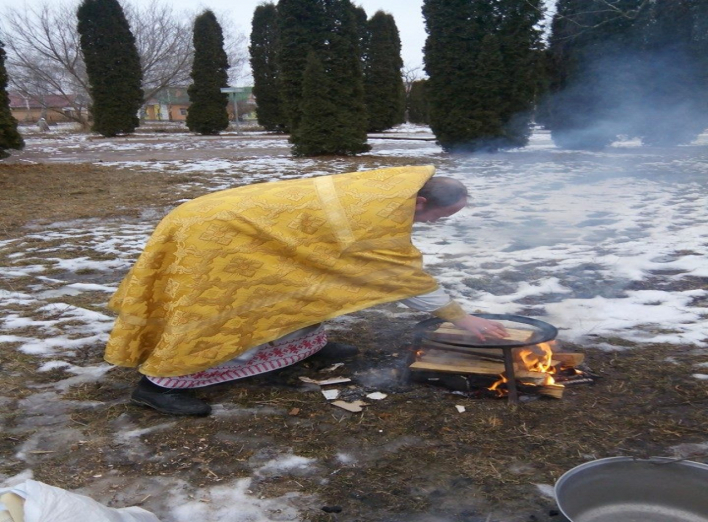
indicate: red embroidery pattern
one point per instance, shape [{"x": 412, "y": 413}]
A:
[{"x": 271, "y": 356}]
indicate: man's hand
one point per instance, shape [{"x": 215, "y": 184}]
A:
[{"x": 482, "y": 328}]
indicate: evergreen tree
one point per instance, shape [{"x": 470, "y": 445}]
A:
[
  {"x": 314, "y": 136},
  {"x": 207, "y": 111},
  {"x": 341, "y": 86},
  {"x": 9, "y": 136},
  {"x": 112, "y": 66},
  {"x": 362, "y": 27},
  {"x": 593, "y": 52},
  {"x": 266, "y": 85},
  {"x": 418, "y": 103},
  {"x": 302, "y": 28},
  {"x": 637, "y": 70},
  {"x": 383, "y": 83},
  {"x": 672, "y": 75},
  {"x": 482, "y": 59}
]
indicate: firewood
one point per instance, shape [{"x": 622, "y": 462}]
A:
[
  {"x": 552, "y": 390},
  {"x": 569, "y": 359},
  {"x": 453, "y": 357},
  {"x": 487, "y": 353},
  {"x": 481, "y": 367},
  {"x": 530, "y": 377}
]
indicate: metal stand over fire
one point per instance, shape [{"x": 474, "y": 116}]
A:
[{"x": 546, "y": 332}]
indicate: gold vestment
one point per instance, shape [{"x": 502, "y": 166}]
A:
[{"x": 237, "y": 268}]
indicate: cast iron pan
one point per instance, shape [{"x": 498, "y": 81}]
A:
[{"x": 542, "y": 332}]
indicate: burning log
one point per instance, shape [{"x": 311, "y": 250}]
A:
[{"x": 568, "y": 359}]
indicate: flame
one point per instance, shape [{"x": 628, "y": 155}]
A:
[
  {"x": 495, "y": 386},
  {"x": 538, "y": 359}
]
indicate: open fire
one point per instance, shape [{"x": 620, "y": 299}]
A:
[{"x": 454, "y": 357}]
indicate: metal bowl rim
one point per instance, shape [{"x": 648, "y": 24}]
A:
[
  {"x": 548, "y": 331},
  {"x": 565, "y": 477}
]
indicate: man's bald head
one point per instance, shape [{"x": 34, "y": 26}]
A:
[
  {"x": 440, "y": 197},
  {"x": 442, "y": 191}
]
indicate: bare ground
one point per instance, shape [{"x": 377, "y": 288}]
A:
[{"x": 411, "y": 456}]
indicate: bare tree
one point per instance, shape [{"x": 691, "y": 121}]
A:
[
  {"x": 44, "y": 56},
  {"x": 236, "y": 47},
  {"x": 410, "y": 74},
  {"x": 164, "y": 42}
]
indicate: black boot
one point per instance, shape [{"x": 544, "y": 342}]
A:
[
  {"x": 334, "y": 352},
  {"x": 168, "y": 400}
]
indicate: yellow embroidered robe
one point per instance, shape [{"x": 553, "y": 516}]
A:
[{"x": 240, "y": 267}]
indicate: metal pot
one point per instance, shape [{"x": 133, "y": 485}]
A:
[{"x": 624, "y": 489}]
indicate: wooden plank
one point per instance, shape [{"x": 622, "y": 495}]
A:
[
  {"x": 488, "y": 353},
  {"x": 456, "y": 357},
  {"x": 482, "y": 368},
  {"x": 454, "y": 335},
  {"x": 552, "y": 390},
  {"x": 530, "y": 377},
  {"x": 569, "y": 358}
]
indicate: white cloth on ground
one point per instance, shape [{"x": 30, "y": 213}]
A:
[{"x": 45, "y": 503}]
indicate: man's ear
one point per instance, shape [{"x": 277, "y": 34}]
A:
[{"x": 420, "y": 202}]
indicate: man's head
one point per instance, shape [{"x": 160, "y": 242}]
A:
[{"x": 440, "y": 197}]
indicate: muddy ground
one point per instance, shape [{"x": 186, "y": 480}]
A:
[{"x": 411, "y": 456}]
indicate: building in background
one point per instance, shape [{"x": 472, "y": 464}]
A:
[
  {"x": 169, "y": 104},
  {"x": 54, "y": 108},
  {"x": 172, "y": 104}
]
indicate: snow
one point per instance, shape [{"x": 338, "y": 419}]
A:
[
  {"x": 568, "y": 237},
  {"x": 216, "y": 504}
]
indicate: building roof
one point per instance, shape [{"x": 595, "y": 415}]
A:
[{"x": 19, "y": 101}]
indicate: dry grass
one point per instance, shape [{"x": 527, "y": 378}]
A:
[{"x": 46, "y": 193}]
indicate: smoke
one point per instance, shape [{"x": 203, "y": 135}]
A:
[{"x": 657, "y": 96}]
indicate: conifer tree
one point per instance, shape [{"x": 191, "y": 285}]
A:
[
  {"x": 672, "y": 76},
  {"x": 9, "y": 136},
  {"x": 112, "y": 66},
  {"x": 342, "y": 87},
  {"x": 301, "y": 29},
  {"x": 207, "y": 111},
  {"x": 313, "y": 137},
  {"x": 482, "y": 58},
  {"x": 383, "y": 83},
  {"x": 592, "y": 54},
  {"x": 637, "y": 70},
  {"x": 264, "y": 65},
  {"x": 418, "y": 103},
  {"x": 362, "y": 27}
]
